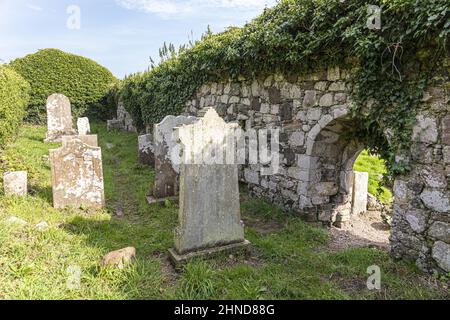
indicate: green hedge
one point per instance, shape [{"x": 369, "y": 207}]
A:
[
  {"x": 297, "y": 36},
  {"x": 86, "y": 83},
  {"x": 14, "y": 97}
]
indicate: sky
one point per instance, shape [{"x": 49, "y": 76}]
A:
[{"x": 122, "y": 35}]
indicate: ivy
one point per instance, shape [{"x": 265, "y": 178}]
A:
[{"x": 394, "y": 64}]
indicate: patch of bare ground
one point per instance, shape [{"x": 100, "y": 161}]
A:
[
  {"x": 364, "y": 230},
  {"x": 167, "y": 269}
]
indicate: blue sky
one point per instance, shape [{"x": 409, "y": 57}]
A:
[{"x": 119, "y": 34}]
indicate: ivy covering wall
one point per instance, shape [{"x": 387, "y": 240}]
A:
[{"x": 394, "y": 64}]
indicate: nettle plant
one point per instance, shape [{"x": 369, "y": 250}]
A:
[{"x": 393, "y": 64}]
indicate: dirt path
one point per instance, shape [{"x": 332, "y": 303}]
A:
[{"x": 365, "y": 230}]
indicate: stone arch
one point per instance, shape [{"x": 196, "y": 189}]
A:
[{"x": 331, "y": 151}]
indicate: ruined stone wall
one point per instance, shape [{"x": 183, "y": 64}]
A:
[{"x": 318, "y": 152}]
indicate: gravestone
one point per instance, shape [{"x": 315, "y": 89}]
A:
[
  {"x": 15, "y": 183},
  {"x": 89, "y": 139},
  {"x": 84, "y": 128},
  {"x": 59, "y": 118},
  {"x": 77, "y": 176},
  {"x": 166, "y": 170},
  {"x": 360, "y": 192},
  {"x": 209, "y": 216},
  {"x": 146, "y": 150}
]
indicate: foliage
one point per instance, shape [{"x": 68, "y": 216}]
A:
[
  {"x": 49, "y": 71},
  {"x": 14, "y": 97},
  {"x": 376, "y": 168},
  {"x": 297, "y": 36}
]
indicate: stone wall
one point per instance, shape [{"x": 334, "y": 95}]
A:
[{"x": 318, "y": 152}]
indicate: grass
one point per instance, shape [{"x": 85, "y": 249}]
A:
[
  {"x": 288, "y": 260},
  {"x": 376, "y": 169}
]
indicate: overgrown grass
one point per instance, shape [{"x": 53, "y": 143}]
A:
[
  {"x": 288, "y": 260},
  {"x": 376, "y": 168}
]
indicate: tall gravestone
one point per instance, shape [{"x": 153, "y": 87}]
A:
[
  {"x": 209, "y": 216},
  {"x": 77, "y": 176},
  {"x": 59, "y": 118},
  {"x": 360, "y": 192},
  {"x": 166, "y": 170}
]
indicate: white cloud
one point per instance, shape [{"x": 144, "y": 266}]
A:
[
  {"x": 179, "y": 7},
  {"x": 34, "y": 7}
]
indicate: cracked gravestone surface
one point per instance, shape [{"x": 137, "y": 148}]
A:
[
  {"x": 90, "y": 139},
  {"x": 165, "y": 147},
  {"x": 209, "y": 217},
  {"x": 146, "y": 150},
  {"x": 59, "y": 118},
  {"x": 77, "y": 176},
  {"x": 15, "y": 183}
]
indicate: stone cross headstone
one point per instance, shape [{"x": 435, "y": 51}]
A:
[
  {"x": 59, "y": 118},
  {"x": 209, "y": 217},
  {"x": 89, "y": 139},
  {"x": 146, "y": 150},
  {"x": 84, "y": 128},
  {"x": 166, "y": 171},
  {"x": 360, "y": 192},
  {"x": 77, "y": 176},
  {"x": 15, "y": 183}
]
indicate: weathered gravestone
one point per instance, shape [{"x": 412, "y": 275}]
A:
[
  {"x": 209, "y": 216},
  {"x": 146, "y": 150},
  {"x": 166, "y": 170},
  {"x": 15, "y": 183},
  {"x": 77, "y": 176},
  {"x": 360, "y": 192},
  {"x": 59, "y": 118},
  {"x": 83, "y": 126},
  {"x": 89, "y": 139}
]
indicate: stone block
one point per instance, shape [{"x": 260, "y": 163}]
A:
[
  {"x": 15, "y": 183},
  {"x": 360, "y": 192},
  {"x": 83, "y": 126},
  {"x": 90, "y": 139},
  {"x": 146, "y": 150}
]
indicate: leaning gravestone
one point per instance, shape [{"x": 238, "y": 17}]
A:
[
  {"x": 83, "y": 126},
  {"x": 360, "y": 192},
  {"x": 209, "y": 217},
  {"x": 77, "y": 176},
  {"x": 89, "y": 139},
  {"x": 15, "y": 183},
  {"x": 146, "y": 150},
  {"x": 59, "y": 118},
  {"x": 166, "y": 171}
]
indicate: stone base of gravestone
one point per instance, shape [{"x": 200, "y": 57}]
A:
[
  {"x": 179, "y": 260},
  {"x": 146, "y": 150},
  {"x": 90, "y": 139},
  {"x": 360, "y": 193},
  {"x": 15, "y": 183}
]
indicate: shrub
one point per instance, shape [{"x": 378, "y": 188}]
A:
[
  {"x": 49, "y": 71},
  {"x": 14, "y": 97}
]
